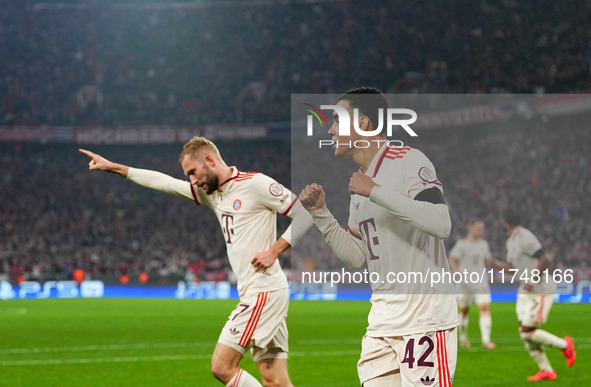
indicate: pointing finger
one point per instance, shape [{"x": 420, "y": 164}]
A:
[{"x": 87, "y": 153}]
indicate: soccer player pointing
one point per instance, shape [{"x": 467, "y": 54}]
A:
[
  {"x": 397, "y": 218},
  {"x": 245, "y": 205}
]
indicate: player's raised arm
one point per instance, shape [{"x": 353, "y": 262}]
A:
[
  {"x": 349, "y": 249},
  {"x": 144, "y": 177}
]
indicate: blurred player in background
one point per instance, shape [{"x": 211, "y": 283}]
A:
[
  {"x": 471, "y": 254},
  {"x": 397, "y": 218},
  {"x": 245, "y": 205},
  {"x": 534, "y": 297}
]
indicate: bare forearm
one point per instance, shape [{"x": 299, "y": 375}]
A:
[
  {"x": 280, "y": 246},
  {"x": 120, "y": 169}
]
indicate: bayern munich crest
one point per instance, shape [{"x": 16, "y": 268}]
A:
[{"x": 237, "y": 204}]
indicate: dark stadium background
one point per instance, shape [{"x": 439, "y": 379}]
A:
[
  {"x": 112, "y": 76},
  {"x": 139, "y": 64}
]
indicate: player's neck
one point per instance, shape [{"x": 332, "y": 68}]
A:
[
  {"x": 511, "y": 229},
  {"x": 365, "y": 156},
  {"x": 224, "y": 173}
]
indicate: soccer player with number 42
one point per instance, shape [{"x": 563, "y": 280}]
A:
[{"x": 397, "y": 219}]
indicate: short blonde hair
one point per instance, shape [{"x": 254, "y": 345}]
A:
[{"x": 195, "y": 145}]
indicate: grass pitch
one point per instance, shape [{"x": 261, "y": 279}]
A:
[{"x": 133, "y": 342}]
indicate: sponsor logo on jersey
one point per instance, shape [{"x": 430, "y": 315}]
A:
[
  {"x": 234, "y": 331},
  {"x": 276, "y": 189},
  {"x": 427, "y": 381},
  {"x": 237, "y": 204}
]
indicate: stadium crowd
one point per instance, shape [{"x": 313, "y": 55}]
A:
[
  {"x": 57, "y": 217},
  {"x": 207, "y": 64},
  {"x": 109, "y": 64}
]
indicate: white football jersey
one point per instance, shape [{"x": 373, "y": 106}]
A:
[
  {"x": 471, "y": 255},
  {"x": 395, "y": 246},
  {"x": 521, "y": 247},
  {"x": 246, "y": 206}
]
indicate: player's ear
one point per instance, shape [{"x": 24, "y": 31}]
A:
[
  {"x": 209, "y": 161},
  {"x": 364, "y": 123}
]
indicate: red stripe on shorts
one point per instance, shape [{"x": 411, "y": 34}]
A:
[
  {"x": 441, "y": 360},
  {"x": 254, "y": 319}
]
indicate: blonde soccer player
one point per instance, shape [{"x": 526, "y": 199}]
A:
[{"x": 245, "y": 205}]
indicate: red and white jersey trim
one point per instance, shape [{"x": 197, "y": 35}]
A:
[
  {"x": 390, "y": 153},
  {"x": 354, "y": 233},
  {"x": 289, "y": 208},
  {"x": 194, "y": 195}
]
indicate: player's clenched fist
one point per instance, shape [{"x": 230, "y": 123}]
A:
[
  {"x": 360, "y": 184},
  {"x": 312, "y": 197}
]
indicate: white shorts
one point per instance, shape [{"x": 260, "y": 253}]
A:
[
  {"x": 533, "y": 309},
  {"x": 258, "y": 324},
  {"x": 466, "y": 299},
  {"x": 426, "y": 359}
]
